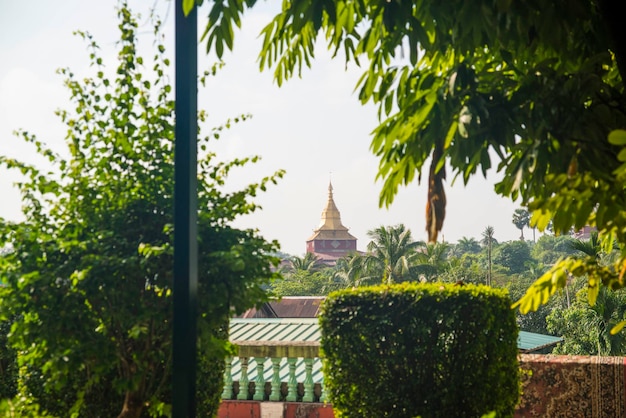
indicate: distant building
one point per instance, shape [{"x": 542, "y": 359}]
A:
[
  {"x": 584, "y": 233},
  {"x": 331, "y": 240},
  {"x": 287, "y": 307}
]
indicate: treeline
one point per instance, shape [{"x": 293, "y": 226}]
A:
[{"x": 393, "y": 256}]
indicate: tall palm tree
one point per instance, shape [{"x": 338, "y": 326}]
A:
[
  {"x": 391, "y": 253},
  {"x": 488, "y": 241},
  {"x": 521, "y": 219}
]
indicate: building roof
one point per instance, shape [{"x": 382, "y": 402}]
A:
[
  {"x": 330, "y": 226},
  {"x": 274, "y": 329},
  {"x": 307, "y": 329},
  {"x": 288, "y": 307},
  {"x": 529, "y": 342}
]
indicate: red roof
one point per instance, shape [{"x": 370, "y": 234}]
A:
[{"x": 288, "y": 307}]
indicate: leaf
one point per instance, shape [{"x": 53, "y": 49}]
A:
[
  {"x": 188, "y": 6},
  {"x": 592, "y": 293},
  {"x": 618, "y": 327},
  {"x": 451, "y": 131},
  {"x": 617, "y": 137},
  {"x": 545, "y": 286}
]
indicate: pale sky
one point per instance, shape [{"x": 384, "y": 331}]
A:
[{"x": 313, "y": 127}]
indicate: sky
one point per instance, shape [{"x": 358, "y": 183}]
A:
[{"x": 313, "y": 127}]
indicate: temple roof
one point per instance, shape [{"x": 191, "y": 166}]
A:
[{"x": 330, "y": 226}]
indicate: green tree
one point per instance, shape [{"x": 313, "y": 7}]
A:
[
  {"x": 515, "y": 256},
  {"x": 539, "y": 84},
  {"x": 391, "y": 253},
  {"x": 308, "y": 263},
  {"x": 463, "y": 270},
  {"x": 488, "y": 241},
  {"x": 586, "y": 329},
  {"x": 88, "y": 280},
  {"x": 534, "y": 321},
  {"x": 466, "y": 245},
  {"x": 521, "y": 219},
  {"x": 432, "y": 260},
  {"x": 305, "y": 283},
  {"x": 550, "y": 248},
  {"x": 8, "y": 364},
  {"x": 350, "y": 271},
  {"x": 593, "y": 248}
]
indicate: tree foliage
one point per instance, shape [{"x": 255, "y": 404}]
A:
[
  {"x": 466, "y": 245},
  {"x": 515, "y": 256},
  {"x": 391, "y": 253},
  {"x": 539, "y": 86},
  {"x": 549, "y": 248},
  {"x": 305, "y": 283},
  {"x": 89, "y": 273},
  {"x": 521, "y": 219},
  {"x": 432, "y": 261},
  {"x": 586, "y": 329},
  {"x": 308, "y": 263}
]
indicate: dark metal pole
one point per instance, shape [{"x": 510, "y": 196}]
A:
[{"x": 185, "y": 216}]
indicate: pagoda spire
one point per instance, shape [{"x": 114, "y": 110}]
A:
[{"x": 331, "y": 218}]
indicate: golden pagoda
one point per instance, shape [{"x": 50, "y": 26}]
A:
[{"x": 331, "y": 240}]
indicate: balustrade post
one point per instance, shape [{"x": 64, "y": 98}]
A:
[
  {"x": 243, "y": 380},
  {"x": 259, "y": 383},
  {"x": 292, "y": 383},
  {"x": 276, "y": 383},
  {"x": 227, "y": 393},
  {"x": 308, "y": 381},
  {"x": 323, "y": 397}
]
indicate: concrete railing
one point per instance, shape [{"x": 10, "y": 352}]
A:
[{"x": 274, "y": 371}]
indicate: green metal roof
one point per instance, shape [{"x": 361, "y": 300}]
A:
[
  {"x": 527, "y": 342},
  {"x": 307, "y": 329},
  {"x": 274, "y": 329}
]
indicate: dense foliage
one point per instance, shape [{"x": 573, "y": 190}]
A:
[
  {"x": 88, "y": 277},
  {"x": 515, "y": 266},
  {"x": 393, "y": 257},
  {"x": 428, "y": 350},
  {"x": 586, "y": 329},
  {"x": 537, "y": 85}
]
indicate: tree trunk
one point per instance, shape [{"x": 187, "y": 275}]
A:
[
  {"x": 489, "y": 261},
  {"x": 133, "y": 406}
]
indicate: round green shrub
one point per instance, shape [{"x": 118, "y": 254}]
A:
[{"x": 429, "y": 350}]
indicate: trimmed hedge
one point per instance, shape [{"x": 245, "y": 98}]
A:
[{"x": 429, "y": 350}]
